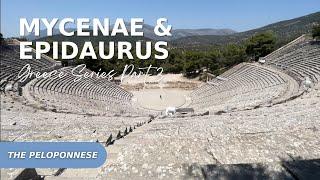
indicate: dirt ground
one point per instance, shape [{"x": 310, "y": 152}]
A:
[{"x": 159, "y": 99}]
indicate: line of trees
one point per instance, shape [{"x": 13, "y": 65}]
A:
[
  {"x": 316, "y": 32},
  {"x": 1, "y": 39},
  {"x": 190, "y": 62},
  {"x": 215, "y": 59}
]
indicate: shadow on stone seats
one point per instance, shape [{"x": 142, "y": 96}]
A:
[
  {"x": 295, "y": 169},
  {"x": 29, "y": 173}
]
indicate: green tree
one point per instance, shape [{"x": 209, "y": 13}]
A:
[
  {"x": 191, "y": 68},
  {"x": 193, "y": 62},
  {"x": 232, "y": 54},
  {"x": 260, "y": 45},
  {"x": 316, "y": 32},
  {"x": 1, "y": 39}
]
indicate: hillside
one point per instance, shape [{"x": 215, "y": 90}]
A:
[
  {"x": 148, "y": 33},
  {"x": 181, "y": 33},
  {"x": 203, "y": 38},
  {"x": 284, "y": 30}
]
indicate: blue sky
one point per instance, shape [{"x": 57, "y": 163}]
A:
[{"x": 234, "y": 14}]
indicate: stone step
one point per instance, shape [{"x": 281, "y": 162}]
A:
[
  {"x": 88, "y": 173},
  {"x": 46, "y": 172}
]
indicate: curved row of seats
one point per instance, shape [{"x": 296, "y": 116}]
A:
[
  {"x": 291, "y": 46},
  {"x": 25, "y": 123},
  {"x": 11, "y": 64},
  {"x": 300, "y": 62},
  {"x": 245, "y": 85},
  {"x": 88, "y": 95},
  {"x": 265, "y": 135}
]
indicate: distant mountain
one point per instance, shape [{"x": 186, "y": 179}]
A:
[
  {"x": 284, "y": 30},
  {"x": 180, "y": 33},
  {"x": 200, "y": 32},
  {"x": 204, "y": 38},
  {"x": 148, "y": 33}
]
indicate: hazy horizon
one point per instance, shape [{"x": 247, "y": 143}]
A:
[{"x": 238, "y": 16}]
